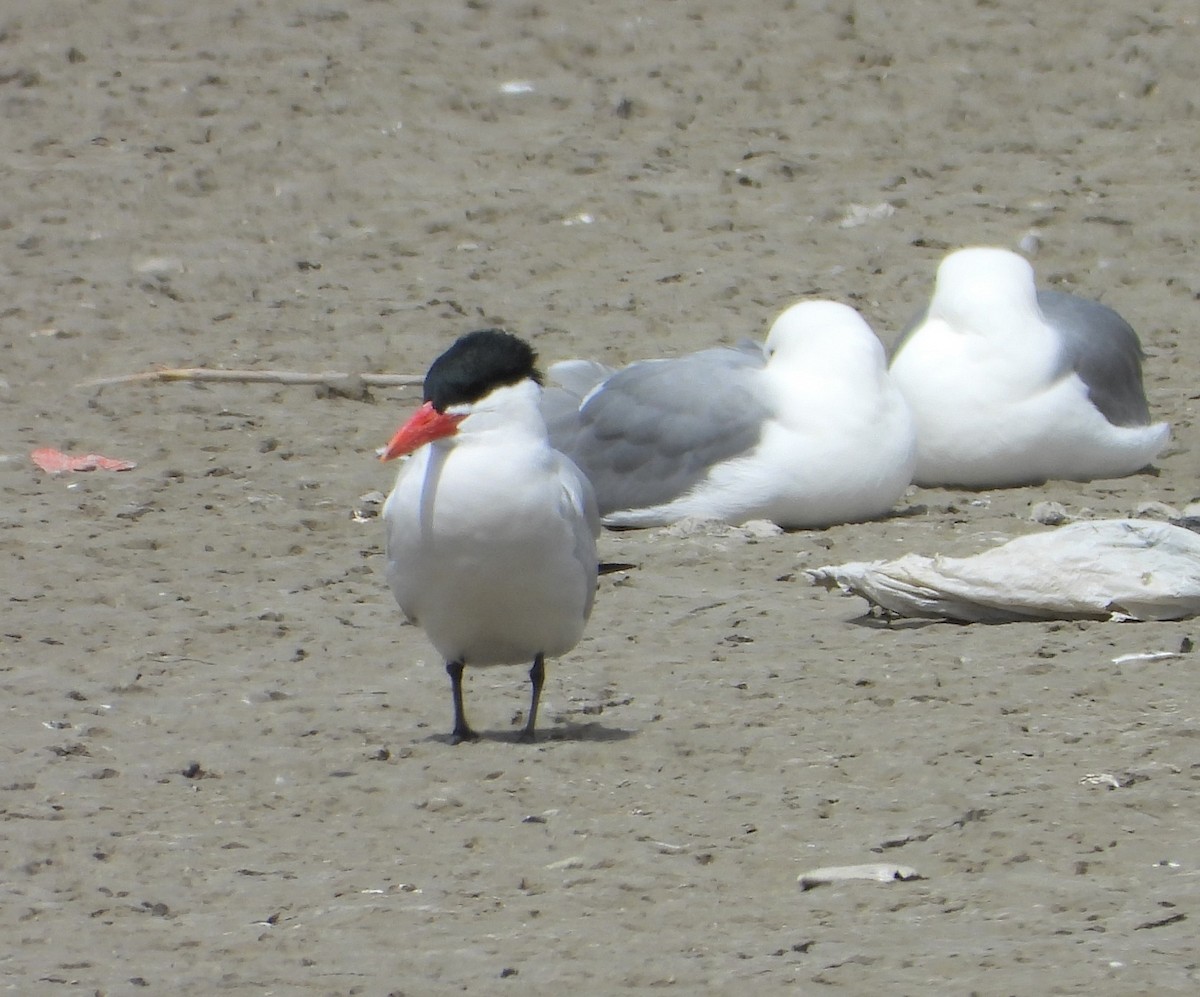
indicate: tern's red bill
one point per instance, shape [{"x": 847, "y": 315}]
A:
[{"x": 426, "y": 425}]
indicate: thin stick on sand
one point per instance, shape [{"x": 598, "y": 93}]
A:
[{"x": 331, "y": 379}]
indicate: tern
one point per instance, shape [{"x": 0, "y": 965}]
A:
[{"x": 491, "y": 532}]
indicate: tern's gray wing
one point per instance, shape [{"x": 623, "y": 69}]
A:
[
  {"x": 650, "y": 433},
  {"x": 579, "y": 500},
  {"x": 1104, "y": 351}
]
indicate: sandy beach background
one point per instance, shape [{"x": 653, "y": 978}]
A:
[{"x": 223, "y": 765}]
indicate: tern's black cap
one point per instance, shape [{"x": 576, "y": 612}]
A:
[{"x": 476, "y": 365}]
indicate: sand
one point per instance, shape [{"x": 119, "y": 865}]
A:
[{"x": 225, "y": 766}]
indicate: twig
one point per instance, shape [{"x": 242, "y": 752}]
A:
[{"x": 331, "y": 378}]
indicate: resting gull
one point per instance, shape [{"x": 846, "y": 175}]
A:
[
  {"x": 1009, "y": 385},
  {"x": 806, "y": 431}
]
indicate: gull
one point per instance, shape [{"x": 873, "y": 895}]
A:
[
  {"x": 1010, "y": 385},
  {"x": 806, "y": 430}
]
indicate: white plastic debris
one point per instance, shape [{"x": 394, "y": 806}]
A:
[
  {"x": 1120, "y": 569},
  {"x": 879, "y": 872}
]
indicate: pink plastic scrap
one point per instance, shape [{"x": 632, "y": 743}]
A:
[{"x": 56, "y": 462}]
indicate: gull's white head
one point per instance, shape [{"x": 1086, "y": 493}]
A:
[
  {"x": 982, "y": 290},
  {"x": 823, "y": 329}
]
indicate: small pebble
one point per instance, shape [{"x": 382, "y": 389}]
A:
[
  {"x": 1049, "y": 513},
  {"x": 1155, "y": 510},
  {"x": 1030, "y": 242}
]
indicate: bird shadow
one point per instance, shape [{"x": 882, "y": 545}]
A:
[
  {"x": 877, "y": 621},
  {"x": 590, "y": 732}
]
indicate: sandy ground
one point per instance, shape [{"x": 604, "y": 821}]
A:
[{"x": 224, "y": 759}]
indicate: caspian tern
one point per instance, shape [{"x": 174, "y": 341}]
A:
[
  {"x": 491, "y": 533},
  {"x": 806, "y": 431},
  {"x": 1010, "y": 385}
]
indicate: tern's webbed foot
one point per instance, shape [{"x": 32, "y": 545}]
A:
[{"x": 460, "y": 734}]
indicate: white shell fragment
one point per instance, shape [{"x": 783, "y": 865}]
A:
[
  {"x": 860, "y": 214},
  {"x": 1120, "y": 569},
  {"x": 1101, "y": 779},
  {"x": 879, "y": 872},
  {"x": 1125, "y": 659},
  {"x": 368, "y": 507}
]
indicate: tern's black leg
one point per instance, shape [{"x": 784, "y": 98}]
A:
[
  {"x": 537, "y": 675},
  {"x": 462, "y": 732}
]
